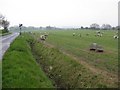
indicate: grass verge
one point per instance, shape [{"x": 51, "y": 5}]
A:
[{"x": 19, "y": 68}]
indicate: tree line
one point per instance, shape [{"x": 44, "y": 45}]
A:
[{"x": 104, "y": 26}]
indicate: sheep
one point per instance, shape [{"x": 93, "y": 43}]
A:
[
  {"x": 73, "y": 34},
  {"x": 115, "y": 37},
  {"x": 100, "y": 35},
  {"x": 43, "y": 37}
]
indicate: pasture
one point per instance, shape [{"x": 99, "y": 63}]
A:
[
  {"x": 78, "y": 47},
  {"x": 104, "y": 64},
  {"x": 65, "y": 59}
]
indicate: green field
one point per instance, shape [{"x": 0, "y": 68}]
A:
[
  {"x": 79, "y": 47},
  {"x": 65, "y": 60}
]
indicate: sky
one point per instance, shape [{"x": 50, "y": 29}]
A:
[{"x": 60, "y": 13}]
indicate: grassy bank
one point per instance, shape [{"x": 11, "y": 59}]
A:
[
  {"x": 66, "y": 72},
  {"x": 19, "y": 68}
]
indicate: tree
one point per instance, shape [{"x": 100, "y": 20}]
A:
[
  {"x": 1, "y": 19},
  {"x": 4, "y": 23},
  {"x": 82, "y": 27},
  {"x": 94, "y": 26},
  {"x": 86, "y": 28},
  {"x": 106, "y": 26}
]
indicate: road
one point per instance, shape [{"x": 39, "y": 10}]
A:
[{"x": 5, "y": 43}]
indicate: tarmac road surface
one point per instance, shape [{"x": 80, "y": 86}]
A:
[{"x": 5, "y": 42}]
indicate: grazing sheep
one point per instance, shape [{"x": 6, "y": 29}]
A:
[
  {"x": 99, "y": 35},
  {"x": 43, "y": 37},
  {"x": 73, "y": 34},
  {"x": 115, "y": 37}
]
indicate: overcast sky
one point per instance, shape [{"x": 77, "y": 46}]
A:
[{"x": 73, "y": 13}]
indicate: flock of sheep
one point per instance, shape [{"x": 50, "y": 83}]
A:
[
  {"x": 93, "y": 46},
  {"x": 98, "y": 34}
]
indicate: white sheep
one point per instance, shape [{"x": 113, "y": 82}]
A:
[
  {"x": 43, "y": 37},
  {"x": 115, "y": 36},
  {"x": 100, "y": 35},
  {"x": 73, "y": 34}
]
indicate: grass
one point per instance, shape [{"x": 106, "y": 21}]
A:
[
  {"x": 66, "y": 72},
  {"x": 19, "y": 68},
  {"x": 79, "y": 47},
  {"x": 62, "y": 71}
]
